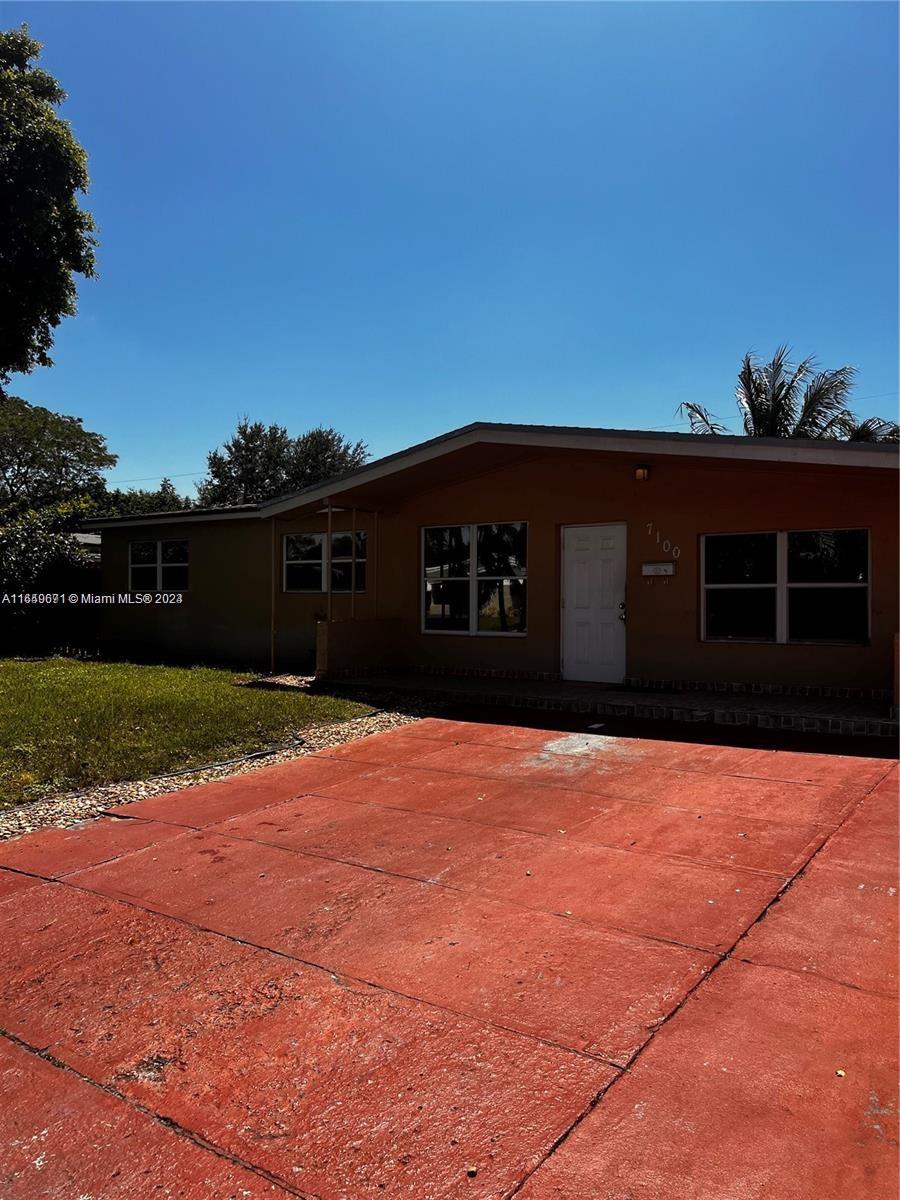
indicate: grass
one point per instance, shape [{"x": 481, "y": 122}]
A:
[{"x": 66, "y": 724}]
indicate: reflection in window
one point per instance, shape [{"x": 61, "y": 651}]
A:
[
  {"x": 503, "y": 549},
  {"x": 447, "y": 552},
  {"x": 501, "y": 605},
  {"x": 447, "y": 604},
  {"x": 488, "y": 595},
  {"x": 828, "y": 556}
]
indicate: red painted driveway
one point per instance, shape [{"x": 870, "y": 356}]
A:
[{"x": 462, "y": 960}]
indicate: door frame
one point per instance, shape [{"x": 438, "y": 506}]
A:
[{"x": 562, "y": 585}]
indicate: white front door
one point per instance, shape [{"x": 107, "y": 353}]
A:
[{"x": 593, "y": 599}]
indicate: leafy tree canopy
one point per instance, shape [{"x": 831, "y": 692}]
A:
[
  {"x": 33, "y": 544},
  {"x": 45, "y": 237},
  {"x": 261, "y": 462},
  {"x": 785, "y": 400},
  {"x": 117, "y": 502},
  {"x": 46, "y": 458}
]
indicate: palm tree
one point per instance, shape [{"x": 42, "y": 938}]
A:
[{"x": 778, "y": 399}]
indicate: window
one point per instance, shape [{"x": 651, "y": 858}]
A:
[
  {"x": 345, "y": 558},
  {"x": 475, "y": 578},
  {"x": 303, "y": 562},
  {"x": 160, "y": 566},
  {"x": 741, "y": 587},
  {"x": 799, "y": 586},
  {"x": 828, "y": 585},
  {"x": 306, "y": 562}
]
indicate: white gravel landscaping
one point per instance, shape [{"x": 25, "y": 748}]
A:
[{"x": 70, "y": 808}]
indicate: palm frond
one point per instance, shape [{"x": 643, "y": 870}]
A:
[
  {"x": 751, "y": 397},
  {"x": 825, "y": 400},
  {"x": 701, "y": 419},
  {"x": 778, "y": 397},
  {"x": 873, "y": 429}
]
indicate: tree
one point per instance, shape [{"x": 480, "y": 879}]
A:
[
  {"x": 260, "y": 463},
  {"x": 45, "y": 237},
  {"x": 778, "y": 399},
  {"x": 34, "y": 544},
  {"x": 120, "y": 503},
  {"x": 46, "y": 458}
]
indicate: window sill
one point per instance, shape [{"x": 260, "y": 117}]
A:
[
  {"x": 772, "y": 642},
  {"x": 478, "y": 633}
]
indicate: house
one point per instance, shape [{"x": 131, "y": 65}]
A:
[{"x": 539, "y": 552}]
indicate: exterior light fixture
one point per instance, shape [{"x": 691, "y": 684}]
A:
[{"x": 642, "y": 473}]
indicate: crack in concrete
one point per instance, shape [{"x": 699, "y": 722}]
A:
[
  {"x": 798, "y": 874},
  {"x": 181, "y": 1131}
]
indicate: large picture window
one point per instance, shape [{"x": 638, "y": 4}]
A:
[
  {"x": 475, "y": 578},
  {"x": 159, "y": 566},
  {"x": 793, "y": 586}
]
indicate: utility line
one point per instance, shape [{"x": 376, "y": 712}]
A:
[{"x": 650, "y": 429}]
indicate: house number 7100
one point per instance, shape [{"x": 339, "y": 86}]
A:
[{"x": 664, "y": 543}]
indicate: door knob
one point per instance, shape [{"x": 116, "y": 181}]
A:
[{"x": 621, "y": 616}]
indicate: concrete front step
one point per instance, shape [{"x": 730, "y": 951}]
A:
[{"x": 795, "y": 714}]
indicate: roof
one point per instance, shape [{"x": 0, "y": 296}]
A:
[{"x": 735, "y": 447}]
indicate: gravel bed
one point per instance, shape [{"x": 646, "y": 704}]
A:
[{"x": 71, "y": 808}]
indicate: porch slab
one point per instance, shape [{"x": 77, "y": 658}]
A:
[{"x": 463, "y": 959}]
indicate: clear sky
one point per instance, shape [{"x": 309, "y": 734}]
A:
[{"x": 401, "y": 218}]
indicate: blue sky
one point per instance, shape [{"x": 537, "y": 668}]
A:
[{"x": 401, "y": 218}]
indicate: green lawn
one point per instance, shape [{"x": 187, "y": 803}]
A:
[{"x": 66, "y": 724}]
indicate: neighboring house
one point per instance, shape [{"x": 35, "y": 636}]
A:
[
  {"x": 540, "y": 552},
  {"x": 90, "y": 545}
]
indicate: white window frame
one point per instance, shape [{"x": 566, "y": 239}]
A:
[
  {"x": 159, "y": 564},
  {"x": 782, "y": 586},
  {"x": 473, "y": 579},
  {"x": 353, "y": 558},
  {"x": 319, "y": 591}
]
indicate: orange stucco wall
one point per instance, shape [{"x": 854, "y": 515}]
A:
[{"x": 228, "y": 614}]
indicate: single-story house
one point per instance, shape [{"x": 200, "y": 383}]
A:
[{"x": 539, "y": 552}]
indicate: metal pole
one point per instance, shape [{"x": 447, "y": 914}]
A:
[
  {"x": 273, "y": 584},
  {"x": 353, "y": 563},
  {"x": 374, "y": 581},
  {"x": 327, "y": 561}
]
